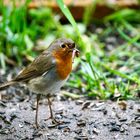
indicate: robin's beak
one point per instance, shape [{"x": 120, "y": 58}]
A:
[{"x": 75, "y": 52}]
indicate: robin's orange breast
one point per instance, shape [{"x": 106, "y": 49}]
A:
[{"x": 63, "y": 64}]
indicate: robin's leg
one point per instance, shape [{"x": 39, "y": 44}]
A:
[
  {"x": 51, "y": 112},
  {"x": 50, "y": 107},
  {"x": 37, "y": 105}
]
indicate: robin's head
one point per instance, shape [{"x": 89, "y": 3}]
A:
[
  {"x": 63, "y": 51},
  {"x": 64, "y": 48}
]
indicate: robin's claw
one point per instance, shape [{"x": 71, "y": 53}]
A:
[{"x": 54, "y": 121}]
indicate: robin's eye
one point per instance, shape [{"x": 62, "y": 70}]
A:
[
  {"x": 63, "y": 45},
  {"x": 71, "y": 46}
]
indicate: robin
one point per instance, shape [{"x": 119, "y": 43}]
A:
[{"x": 48, "y": 72}]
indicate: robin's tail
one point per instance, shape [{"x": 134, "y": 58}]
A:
[{"x": 7, "y": 84}]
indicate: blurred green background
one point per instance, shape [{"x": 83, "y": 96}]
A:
[{"x": 109, "y": 63}]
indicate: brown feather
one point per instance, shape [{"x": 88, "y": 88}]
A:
[
  {"x": 7, "y": 84},
  {"x": 39, "y": 66}
]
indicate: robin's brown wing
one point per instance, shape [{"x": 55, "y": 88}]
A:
[{"x": 39, "y": 66}]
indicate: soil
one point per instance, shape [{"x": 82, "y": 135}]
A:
[{"x": 82, "y": 119}]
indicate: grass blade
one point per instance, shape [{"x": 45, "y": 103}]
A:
[{"x": 69, "y": 16}]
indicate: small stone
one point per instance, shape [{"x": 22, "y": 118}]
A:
[
  {"x": 81, "y": 137},
  {"x": 37, "y": 133},
  {"x": 21, "y": 125},
  {"x": 70, "y": 107},
  {"x": 2, "y": 112},
  {"x": 58, "y": 116},
  {"x": 77, "y": 114},
  {"x": 137, "y": 127},
  {"x": 137, "y": 114},
  {"x": 79, "y": 102},
  {"x": 138, "y": 120},
  {"x": 123, "y": 119},
  {"x": 62, "y": 126},
  {"x": 137, "y": 136},
  {"x": 131, "y": 106},
  {"x": 122, "y": 105},
  {"x": 66, "y": 129},
  {"x": 113, "y": 122},
  {"x": 92, "y": 137},
  {"x": 27, "y": 122},
  {"x": 116, "y": 136},
  {"x": 86, "y": 105},
  {"x": 138, "y": 109},
  {"x": 3, "y": 104},
  {"x": 81, "y": 123},
  {"x": 60, "y": 111},
  {"x": 66, "y": 122},
  {"x": 0, "y": 126},
  {"x": 122, "y": 129},
  {"x": 78, "y": 131},
  {"x": 96, "y": 131},
  {"x": 4, "y": 131},
  {"x": 104, "y": 111},
  {"x": 13, "y": 116},
  {"x": 99, "y": 104},
  {"x": 99, "y": 107},
  {"x": 51, "y": 125},
  {"x": 114, "y": 128}
]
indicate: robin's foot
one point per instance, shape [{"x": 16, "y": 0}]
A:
[
  {"x": 54, "y": 121},
  {"x": 48, "y": 118},
  {"x": 36, "y": 126}
]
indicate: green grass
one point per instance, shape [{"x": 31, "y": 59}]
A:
[
  {"x": 104, "y": 70},
  {"x": 20, "y": 29},
  {"x": 100, "y": 74}
]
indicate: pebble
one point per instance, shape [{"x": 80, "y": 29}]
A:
[
  {"x": 21, "y": 125},
  {"x": 78, "y": 131},
  {"x": 13, "y": 116},
  {"x": 58, "y": 116},
  {"x": 122, "y": 105},
  {"x": 104, "y": 111},
  {"x": 99, "y": 104},
  {"x": 37, "y": 133},
  {"x": 51, "y": 125},
  {"x": 96, "y": 131},
  {"x": 61, "y": 126},
  {"x": 3, "y": 104},
  {"x": 116, "y": 136},
  {"x": 5, "y": 131},
  {"x": 66, "y": 129},
  {"x": 86, "y": 104},
  {"x": 138, "y": 109},
  {"x": 2, "y": 112},
  {"x": 60, "y": 111},
  {"x": 79, "y": 102},
  {"x": 77, "y": 114},
  {"x": 81, "y": 123},
  {"x": 114, "y": 128},
  {"x": 138, "y": 120},
  {"x": 113, "y": 122},
  {"x": 137, "y": 136},
  {"x": 0, "y": 126},
  {"x": 27, "y": 122},
  {"x": 122, "y": 129},
  {"x": 137, "y": 127},
  {"x": 123, "y": 119},
  {"x": 137, "y": 114},
  {"x": 82, "y": 137}
]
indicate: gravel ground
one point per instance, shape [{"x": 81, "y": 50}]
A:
[{"x": 83, "y": 119}]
